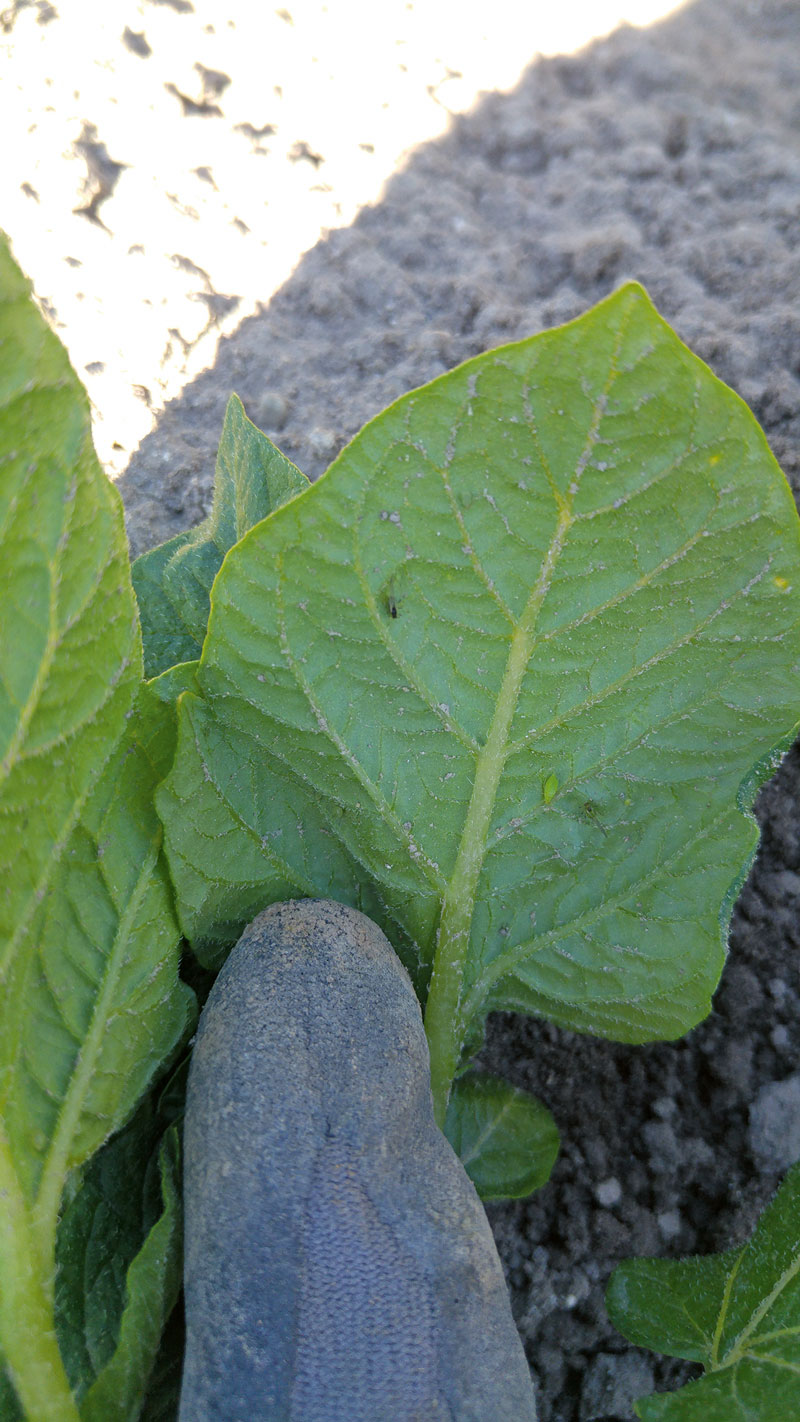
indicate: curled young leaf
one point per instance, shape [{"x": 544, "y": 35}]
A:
[{"x": 172, "y": 582}]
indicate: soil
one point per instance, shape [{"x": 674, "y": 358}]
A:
[{"x": 669, "y": 155}]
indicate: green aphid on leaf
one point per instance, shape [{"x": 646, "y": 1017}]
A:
[{"x": 549, "y": 788}]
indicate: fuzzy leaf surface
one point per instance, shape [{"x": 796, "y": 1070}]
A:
[
  {"x": 105, "y": 1007},
  {"x": 68, "y": 638},
  {"x": 737, "y": 1313},
  {"x": 506, "y": 1140},
  {"x": 518, "y": 662},
  {"x": 90, "y": 1003},
  {"x": 173, "y": 582},
  {"x": 270, "y": 841}
]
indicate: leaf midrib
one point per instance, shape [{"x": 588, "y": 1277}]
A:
[
  {"x": 460, "y": 894},
  {"x": 739, "y": 1347},
  {"x": 445, "y": 1023},
  {"x": 58, "y": 1159},
  {"x": 485, "y": 1134},
  {"x": 54, "y": 641}
]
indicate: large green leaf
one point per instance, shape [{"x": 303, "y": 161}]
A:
[
  {"x": 90, "y": 1002},
  {"x": 173, "y": 582},
  {"x": 737, "y": 1313},
  {"x": 518, "y": 663}
]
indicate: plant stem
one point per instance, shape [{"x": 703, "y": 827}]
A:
[{"x": 27, "y": 1326}]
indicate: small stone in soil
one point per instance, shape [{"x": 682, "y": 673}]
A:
[
  {"x": 612, "y": 1384},
  {"x": 775, "y": 1123},
  {"x": 669, "y": 1223},
  {"x": 608, "y": 1192}
]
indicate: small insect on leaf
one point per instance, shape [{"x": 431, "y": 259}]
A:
[
  {"x": 391, "y": 600},
  {"x": 590, "y": 811},
  {"x": 549, "y": 788}
]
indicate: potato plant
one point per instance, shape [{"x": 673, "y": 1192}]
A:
[{"x": 506, "y": 679}]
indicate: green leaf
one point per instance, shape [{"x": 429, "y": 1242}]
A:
[
  {"x": 101, "y": 1006},
  {"x": 737, "y": 1313},
  {"x": 118, "y": 1267},
  {"x": 674, "y": 1300},
  {"x": 171, "y": 684},
  {"x": 90, "y": 1002},
  {"x": 254, "y": 829},
  {"x": 506, "y": 1140},
  {"x": 153, "y": 1285},
  {"x": 173, "y": 582},
  {"x": 125, "y": 1009},
  {"x": 573, "y": 559}
]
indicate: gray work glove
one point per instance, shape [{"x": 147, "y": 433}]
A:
[{"x": 339, "y": 1264}]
